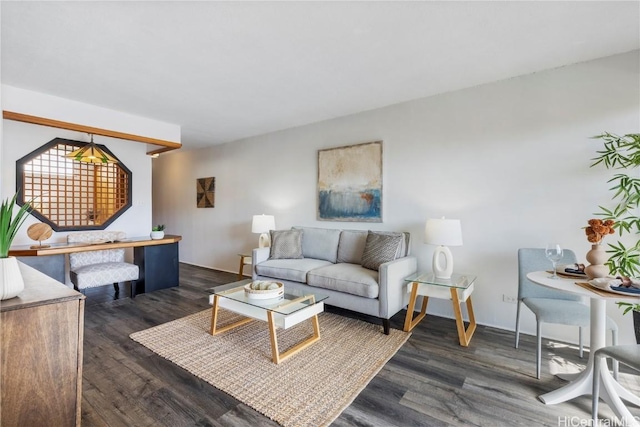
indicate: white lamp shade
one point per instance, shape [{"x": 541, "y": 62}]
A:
[
  {"x": 443, "y": 232},
  {"x": 263, "y": 223}
]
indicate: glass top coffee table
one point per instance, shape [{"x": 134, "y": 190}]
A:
[{"x": 284, "y": 312}]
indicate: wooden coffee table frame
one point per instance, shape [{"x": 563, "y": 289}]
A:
[{"x": 273, "y": 319}]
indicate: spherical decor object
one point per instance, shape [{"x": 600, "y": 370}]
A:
[{"x": 39, "y": 232}]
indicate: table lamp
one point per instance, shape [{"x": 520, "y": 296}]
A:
[
  {"x": 262, "y": 224},
  {"x": 443, "y": 233}
]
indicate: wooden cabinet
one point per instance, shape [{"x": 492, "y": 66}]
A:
[{"x": 41, "y": 354}]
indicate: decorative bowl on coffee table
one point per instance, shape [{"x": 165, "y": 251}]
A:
[{"x": 264, "y": 293}]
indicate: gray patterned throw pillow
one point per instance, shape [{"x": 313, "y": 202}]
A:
[
  {"x": 286, "y": 244},
  {"x": 380, "y": 248}
]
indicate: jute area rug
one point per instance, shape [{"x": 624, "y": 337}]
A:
[{"x": 309, "y": 389}]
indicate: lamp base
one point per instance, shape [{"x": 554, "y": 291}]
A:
[
  {"x": 264, "y": 241},
  {"x": 440, "y": 271}
]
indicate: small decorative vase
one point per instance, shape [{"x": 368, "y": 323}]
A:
[
  {"x": 156, "y": 235},
  {"x": 596, "y": 258},
  {"x": 11, "y": 283}
]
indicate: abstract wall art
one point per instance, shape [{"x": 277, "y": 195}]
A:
[
  {"x": 350, "y": 183},
  {"x": 205, "y": 192}
]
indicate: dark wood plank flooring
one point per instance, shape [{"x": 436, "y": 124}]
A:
[{"x": 431, "y": 381}]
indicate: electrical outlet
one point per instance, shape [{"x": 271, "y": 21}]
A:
[{"x": 509, "y": 299}]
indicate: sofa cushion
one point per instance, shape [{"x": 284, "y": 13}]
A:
[
  {"x": 294, "y": 270},
  {"x": 351, "y": 246},
  {"x": 405, "y": 245},
  {"x": 403, "y": 248},
  {"x": 349, "y": 278},
  {"x": 286, "y": 244},
  {"x": 320, "y": 243},
  {"x": 380, "y": 248}
]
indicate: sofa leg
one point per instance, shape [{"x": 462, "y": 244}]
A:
[{"x": 386, "y": 324}]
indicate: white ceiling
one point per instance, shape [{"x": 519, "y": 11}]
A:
[{"x": 229, "y": 70}]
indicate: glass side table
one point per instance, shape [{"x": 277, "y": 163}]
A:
[{"x": 457, "y": 289}]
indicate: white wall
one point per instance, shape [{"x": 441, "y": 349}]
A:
[{"x": 510, "y": 159}]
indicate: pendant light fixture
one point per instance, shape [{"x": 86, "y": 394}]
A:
[{"x": 90, "y": 153}]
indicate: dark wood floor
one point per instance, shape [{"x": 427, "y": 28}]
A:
[{"x": 431, "y": 381}]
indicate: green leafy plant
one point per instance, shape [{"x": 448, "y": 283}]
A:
[
  {"x": 622, "y": 153},
  {"x": 9, "y": 224},
  {"x": 628, "y": 307},
  {"x": 159, "y": 227}
]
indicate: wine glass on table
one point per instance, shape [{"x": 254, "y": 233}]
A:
[{"x": 553, "y": 252}]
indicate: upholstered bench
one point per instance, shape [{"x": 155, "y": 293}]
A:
[{"x": 102, "y": 267}]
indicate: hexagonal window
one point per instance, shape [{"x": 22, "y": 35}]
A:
[{"x": 71, "y": 195}]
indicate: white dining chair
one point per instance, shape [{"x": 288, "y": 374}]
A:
[
  {"x": 101, "y": 267},
  {"x": 552, "y": 306}
]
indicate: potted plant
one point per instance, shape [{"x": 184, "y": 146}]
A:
[
  {"x": 157, "y": 232},
  {"x": 623, "y": 153},
  {"x": 635, "y": 309},
  {"x": 11, "y": 283}
]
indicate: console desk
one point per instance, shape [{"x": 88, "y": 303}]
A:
[{"x": 157, "y": 259}]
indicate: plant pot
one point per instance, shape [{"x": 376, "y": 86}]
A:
[
  {"x": 156, "y": 235},
  {"x": 11, "y": 283},
  {"x": 596, "y": 258},
  {"x": 636, "y": 325}
]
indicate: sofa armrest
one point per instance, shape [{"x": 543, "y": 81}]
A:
[
  {"x": 393, "y": 295},
  {"x": 258, "y": 255}
]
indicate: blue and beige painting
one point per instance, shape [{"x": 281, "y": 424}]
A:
[
  {"x": 350, "y": 183},
  {"x": 350, "y": 205}
]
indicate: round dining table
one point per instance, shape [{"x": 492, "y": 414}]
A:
[{"x": 582, "y": 383}]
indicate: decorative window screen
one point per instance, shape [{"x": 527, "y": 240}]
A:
[{"x": 70, "y": 195}]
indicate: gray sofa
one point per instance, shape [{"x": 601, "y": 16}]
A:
[{"x": 330, "y": 263}]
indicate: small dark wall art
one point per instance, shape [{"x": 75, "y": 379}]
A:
[{"x": 206, "y": 192}]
